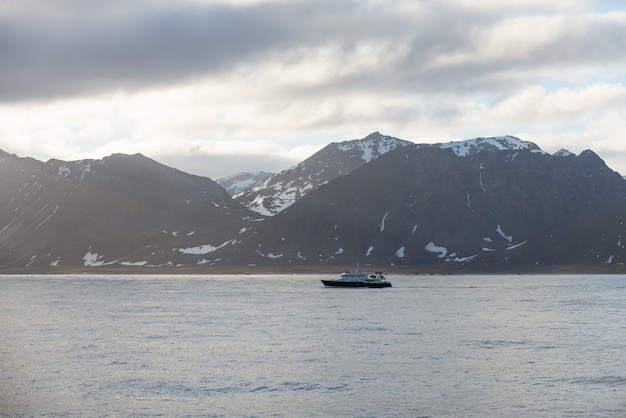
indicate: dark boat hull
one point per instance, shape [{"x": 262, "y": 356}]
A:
[{"x": 338, "y": 283}]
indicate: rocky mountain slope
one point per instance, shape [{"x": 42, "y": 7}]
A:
[
  {"x": 122, "y": 210},
  {"x": 484, "y": 204},
  {"x": 272, "y": 194},
  {"x": 484, "y": 201}
]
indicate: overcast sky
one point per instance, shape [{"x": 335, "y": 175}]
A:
[{"x": 218, "y": 87}]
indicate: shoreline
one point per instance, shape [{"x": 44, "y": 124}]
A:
[{"x": 318, "y": 269}]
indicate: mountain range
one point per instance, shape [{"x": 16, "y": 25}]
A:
[
  {"x": 485, "y": 204},
  {"x": 269, "y": 194}
]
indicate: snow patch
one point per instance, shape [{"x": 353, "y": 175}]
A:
[
  {"x": 400, "y": 252},
  {"x": 371, "y": 147},
  {"x": 512, "y": 247},
  {"x": 7, "y": 225},
  {"x": 49, "y": 216},
  {"x": 32, "y": 260},
  {"x": 64, "y": 170},
  {"x": 134, "y": 263},
  {"x": 369, "y": 251},
  {"x": 464, "y": 259},
  {"x": 432, "y": 248},
  {"x": 204, "y": 249},
  {"x": 257, "y": 205},
  {"x": 382, "y": 223},
  {"x": 563, "y": 153},
  {"x": 503, "y": 235},
  {"x": 94, "y": 260},
  {"x": 90, "y": 258},
  {"x": 501, "y": 143}
]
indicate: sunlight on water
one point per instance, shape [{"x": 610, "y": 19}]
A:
[{"x": 286, "y": 346}]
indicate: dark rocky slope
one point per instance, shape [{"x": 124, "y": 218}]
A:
[
  {"x": 423, "y": 205},
  {"x": 121, "y": 209},
  {"x": 271, "y": 194}
]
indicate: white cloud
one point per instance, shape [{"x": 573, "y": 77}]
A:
[
  {"x": 534, "y": 106},
  {"x": 295, "y": 76},
  {"x": 170, "y": 125}
]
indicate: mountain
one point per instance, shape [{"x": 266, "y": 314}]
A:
[
  {"x": 122, "y": 210},
  {"x": 485, "y": 204},
  {"x": 239, "y": 183},
  {"x": 488, "y": 201},
  {"x": 272, "y": 194}
]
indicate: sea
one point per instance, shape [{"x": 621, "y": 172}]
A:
[{"x": 286, "y": 346}]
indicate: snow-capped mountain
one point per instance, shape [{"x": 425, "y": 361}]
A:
[
  {"x": 473, "y": 146},
  {"x": 238, "y": 183},
  {"x": 497, "y": 201},
  {"x": 279, "y": 191},
  {"x": 268, "y": 194},
  {"x": 482, "y": 204}
]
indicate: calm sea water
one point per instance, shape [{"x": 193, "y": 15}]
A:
[{"x": 285, "y": 346}]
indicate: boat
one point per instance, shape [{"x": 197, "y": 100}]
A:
[{"x": 358, "y": 279}]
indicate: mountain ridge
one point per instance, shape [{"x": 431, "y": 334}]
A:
[
  {"x": 116, "y": 210},
  {"x": 278, "y": 191},
  {"x": 479, "y": 205},
  {"x": 444, "y": 216},
  {"x": 269, "y": 194}
]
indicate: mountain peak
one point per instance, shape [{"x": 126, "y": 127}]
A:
[
  {"x": 271, "y": 194},
  {"x": 591, "y": 159},
  {"x": 125, "y": 157},
  {"x": 498, "y": 143},
  {"x": 563, "y": 153},
  {"x": 372, "y": 146},
  {"x": 374, "y": 135}
]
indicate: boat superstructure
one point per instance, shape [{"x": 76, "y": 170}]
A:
[{"x": 358, "y": 279}]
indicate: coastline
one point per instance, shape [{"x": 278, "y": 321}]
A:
[{"x": 316, "y": 269}]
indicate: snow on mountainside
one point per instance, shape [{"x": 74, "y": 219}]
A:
[
  {"x": 237, "y": 183},
  {"x": 120, "y": 210},
  {"x": 501, "y": 143},
  {"x": 279, "y": 191},
  {"x": 484, "y": 203},
  {"x": 564, "y": 153},
  {"x": 372, "y": 146},
  {"x": 496, "y": 201},
  {"x": 273, "y": 193}
]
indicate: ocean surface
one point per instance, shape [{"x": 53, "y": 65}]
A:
[{"x": 285, "y": 346}]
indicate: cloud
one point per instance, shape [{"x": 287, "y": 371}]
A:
[
  {"x": 216, "y": 166},
  {"x": 534, "y": 106},
  {"x": 71, "y": 48},
  {"x": 213, "y": 81}
]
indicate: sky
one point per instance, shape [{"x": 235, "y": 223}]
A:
[{"x": 224, "y": 86}]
